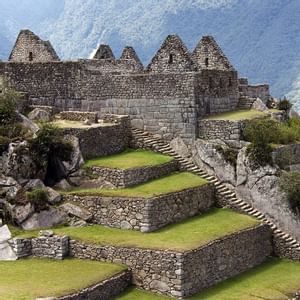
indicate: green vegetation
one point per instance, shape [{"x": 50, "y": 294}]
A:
[
  {"x": 29, "y": 279},
  {"x": 48, "y": 145},
  {"x": 76, "y": 124},
  {"x": 273, "y": 280},
  {"x": 165, "y": 185},
  {"x": 290, "y": 184},
  {"x": 186, "y": 235},
  {"x": 137, "y": 294},
  {"x": 8, "y": 104},
  {"x": 284, "y": 104},
  {"x": 239, "y": 115},
  {"x": 261, "y": 133},
  {"x": 38, "y": 197},
  {"x": 228, "y": 153},
  {"x": 129, "y": 159}
]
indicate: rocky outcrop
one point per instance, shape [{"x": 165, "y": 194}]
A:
[
  {"x": 40, "y": 115},
  {"x": 6, "y": 251},
  {"x": 258, "y": 104}
]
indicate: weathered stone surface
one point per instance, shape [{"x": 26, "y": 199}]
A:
[
  {"x": 259, "y": 105},
  {"x": 45, "y": 219},
  {"x": 6, "y": 251},
  {"x": 53, "y": 196},
  {"x": 63, "y": 185},
  {"x": 17, "y": 162},
  {"x": 206, "y": 155},
  {"x": 75, "y": 210},
  {"x": 27, "y": 123},
  {"x": 19, "y": 213},
  {"x": 39, "y": 115},
  {"x": 146, "y": 214},
  {"x": 33, "y": 184}
]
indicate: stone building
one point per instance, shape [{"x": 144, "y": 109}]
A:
[{"x": 167, "y": 98}]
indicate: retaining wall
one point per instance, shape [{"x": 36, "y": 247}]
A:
[
  {"x": 146, "y": 214},
  {"x": 183, "y": 274},
  {"x": 123, "y": 178}
]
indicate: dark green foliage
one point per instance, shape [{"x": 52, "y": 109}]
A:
[
  {"x": 290, "y": 184},
  {"x": 12, "y": 131},
  {"x": 38, "y": 197},
  {"x": 49, "y": 143},
  {"x": 4, "y": 142},
  {"x": 228, "y": 153},
  {"x": 260, "y": 154},
  {"x": 8, "y": 104},
  {"x": 284, "y": 104}
]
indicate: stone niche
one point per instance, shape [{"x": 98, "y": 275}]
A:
[
  {"x": 182, "y": 274},
  {"x": 145, "y": 214}
]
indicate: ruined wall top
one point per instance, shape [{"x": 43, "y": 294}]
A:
[
  {"x": 208, "y": 55},
  {"x": 173, "y": 56},
  {"x": 30, "y": 48},
  {"x": 104, "y": 52}
]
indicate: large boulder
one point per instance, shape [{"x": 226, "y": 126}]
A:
[
  {"x": 76, "y": 211},
  {"x": 76, "y": 157},
  {"x": 45, "y": 219},
  {"x": 209, "y": 155},
  {"x": 258, "y": 104},
  {"x": 39, "y": 114},
  {"x": 6, "y": 251},
  {"x": 27, "y": 123},
  {"x": 18, "y": 163},
  {"x": 20, "y": 213},
  {"x": 53, "y": 196},
  {"x": 259, "y": 187}
]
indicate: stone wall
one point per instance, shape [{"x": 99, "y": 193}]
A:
[
  {"x": 79, "y": 116},
  {"x": 281, "y": 249},
  {"x": 103, "y": 139},
  {"x": 221, "y": 129},
  {"x": 30, "y": 48},
  {"x": 146, "y": 214},
  {"x": 225, "y": 258},
  {"x": 105, "y": 290},
  {"x": 261, "y": 91},
  {"x": 55, "y": 247},
  {"x": 167, "y": 104},
  {"x": 123, "y": 178},
  {"x": 183, "y": 274}
]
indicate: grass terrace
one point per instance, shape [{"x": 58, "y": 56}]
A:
[
  {"x": 173, "y": 183},
  {"x": 238, "y": 115},
  {"x": 129, "y": 159},
  {"x": 276, "y": 279},
  {"x": 189, "y": 234},
  {"x": 29, "y": 279},
  {"x": 77, "y": 124}
]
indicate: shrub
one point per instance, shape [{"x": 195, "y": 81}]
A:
[
  {"x": 48, "y": 144},
  {"x": 8, "y": 105},
  {"x": 13, "y": 131},
  {"x": 38, "y": 197},
  {"x": 290, "y": 184},
  {"x": 229, "y": 154},
  {"x": 284, "y": 104},
  {"x": 4, "y": 142}
]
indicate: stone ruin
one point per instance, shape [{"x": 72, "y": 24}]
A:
[{"x": 166, "y": 98}]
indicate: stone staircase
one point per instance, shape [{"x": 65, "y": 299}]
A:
[
  {"x": 245, "y": 102},
  {"x": 285, "y": 245}
]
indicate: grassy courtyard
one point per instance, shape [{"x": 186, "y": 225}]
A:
[
  {"x": 165, "y": 185},
  {"x": 77, "y": 124},
  {"x": 28, "y": 279},
  {"x": 189, "y": 234},
  {"x": 129, "y": 159},
  {"x": 238, "y": 115},
  {"x": 276, "y": 279}
]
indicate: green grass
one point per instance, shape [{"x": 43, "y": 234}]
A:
[
  {"x": 129, "y": 159},
  {"x": 77, "y": 124},
  {"x": 165, "y": 185},
  {"x": 238, "y": 115},
  {"x": 32, "y": 278},
  {"x": 190, "y": 234},
  {"x": 276, "y": 279}
]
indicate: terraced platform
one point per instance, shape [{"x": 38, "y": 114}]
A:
[
  {"x": 29, "y": 279},
  {"x": 181, "y": 259},
  {"x": 276, "y": 279},
  {"x": 148, "y": 206},
  {"x": 238, "y": 115}
]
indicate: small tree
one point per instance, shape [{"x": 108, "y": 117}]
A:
[
  {"x": 290, "y": 184},
  {"x": 8, "y": 104},
  {"x": 261, "y": 133},
  {"x": 284, "y": 104}
]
